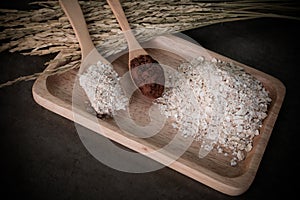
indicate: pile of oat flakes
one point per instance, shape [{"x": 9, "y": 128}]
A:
[
  {"x": 215, "y": 102},
  {"x": 232, "y": 105}
]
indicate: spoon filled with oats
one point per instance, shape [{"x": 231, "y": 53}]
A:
[
  {"x": 146, "y": 73},
  {"x": 96, "y": 75}
]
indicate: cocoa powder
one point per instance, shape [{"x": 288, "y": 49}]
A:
[{"x": 148, "y": 75}]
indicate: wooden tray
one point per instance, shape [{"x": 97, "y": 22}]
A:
[{"x": 55, "y": 93}]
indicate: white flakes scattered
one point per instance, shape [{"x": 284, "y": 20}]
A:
[
  {"x": 101, "y": 85},
  {"x": 215, "y": 102},
  {"x": 233, "y": 162},
  {"x": 240, "y": 155},
  {"x": 229, "y": 109}
]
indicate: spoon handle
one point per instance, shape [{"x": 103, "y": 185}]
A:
[
  {"x": 74, "y": 13},
  {"x": 118, "y": 11}
]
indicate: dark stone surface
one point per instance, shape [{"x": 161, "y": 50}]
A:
[{"x": 43, "y": 157}]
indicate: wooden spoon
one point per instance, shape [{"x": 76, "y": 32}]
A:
[
  {"x": 89, "y": 53},
  {"x": 145, "y": 72}
]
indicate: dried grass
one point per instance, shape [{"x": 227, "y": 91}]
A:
[{"x": 46, "y": 30}]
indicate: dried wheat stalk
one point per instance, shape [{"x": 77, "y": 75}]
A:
[{"x": 47, "y": 30}]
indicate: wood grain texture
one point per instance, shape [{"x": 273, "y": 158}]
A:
[
  {"x": 56, "y": 94},
  {"x": 143, "y": 68},
  {"x": 134, "y": 46},
  {"x": 74, "y": 13}
]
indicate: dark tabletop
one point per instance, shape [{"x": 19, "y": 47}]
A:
[{"x": 42, "y": 156}]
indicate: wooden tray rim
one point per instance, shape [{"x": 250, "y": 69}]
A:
[{"x": 231, "y": 186}]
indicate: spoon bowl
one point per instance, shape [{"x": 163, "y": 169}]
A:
[{"x": 146, "y": 72}]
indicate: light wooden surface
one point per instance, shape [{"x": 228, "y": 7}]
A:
[
  {"x": 55, "y": 94},
  {"x": 153, "y": 72},
  {"x": 134, "y": 47},
  {"x": 89, "y": 54}
]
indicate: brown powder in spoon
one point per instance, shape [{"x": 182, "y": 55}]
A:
[{"x": 148, "y": 75}]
